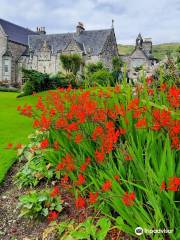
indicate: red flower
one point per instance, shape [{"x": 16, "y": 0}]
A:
[
  {"x": 60, "y": 166},
  {"x": 106, "y": 185},
  {"x": 141, "y": 123},
  {"x": 174, "y": 184},
  {"x": 150, "y": 91},
  {"x": 99, "y": 155},
  {"x": 149, "y": 80},
  {"x": 174, "y": 96},
  {"x": 44, "y": 144},
  {"x": 52, "y": 112},
  {"x": 81, "y": 180},
  {"x": 36, "y": 123},
  {"x": 163, "y": 87},
  {"x": 117, "y": 88},
  {"x": 10, "y": 145},
  {"x": 163, "y": 186},
  {"x": 80, "y": 202},
  {"x": 128, "y": 198},
  {"x": 93, "y": 197},
  {"x": 55, "y": 192},
  {"x": 78, "y": 138},
  {"x": 53, "y": 215},
  {"x": 19, "y": 146},
  {"x": 117, "y": 178},
  {"x": 18, "y": 108},
  {"x": 128, "y": 157},
  {"x": 98, "y": 131},
  {"x": 56, "y": 145},
  {"x": 133, "y": 104},
  {"x": 122, "y": 131}
]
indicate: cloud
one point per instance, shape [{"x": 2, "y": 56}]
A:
[{"x": 157, "y": 19}]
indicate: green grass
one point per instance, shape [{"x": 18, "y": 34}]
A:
[
  {"x": 159, "y": 50},
  {"x": 14, "y": 128}
]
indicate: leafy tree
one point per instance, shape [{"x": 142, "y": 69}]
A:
[
  {"x": 71, "y": 62},
  {"x": 102, "y": 77},
  {"x": 117, "y": 63},
  {"x": 94, "y": 67}
]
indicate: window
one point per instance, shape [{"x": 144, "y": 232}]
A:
[{"x": 6, "y": 70}]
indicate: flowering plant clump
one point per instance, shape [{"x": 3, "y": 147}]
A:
[{"x": 116, "y": 149}]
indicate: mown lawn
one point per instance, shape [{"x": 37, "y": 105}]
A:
[{"x": 14, "y": 128}]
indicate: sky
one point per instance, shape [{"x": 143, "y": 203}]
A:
[{"x": 158, "y": 19}]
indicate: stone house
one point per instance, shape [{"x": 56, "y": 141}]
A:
[
  {"x": 20, "y": 47},
  {"x": 13, "y": 43},
  {"x": 140, "y": 56}
]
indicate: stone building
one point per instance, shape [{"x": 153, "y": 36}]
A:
[
  {"x": 13, "y": 43},
  {"x": 20, "y": 47},
  {"x": 141, "y": 56}
]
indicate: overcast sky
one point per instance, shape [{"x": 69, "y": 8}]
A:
[{"x": 159, "y": 19}]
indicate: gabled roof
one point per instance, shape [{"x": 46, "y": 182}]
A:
[
  {"x": 94, "y": 40},
  {"x": 16, "y": 33}
]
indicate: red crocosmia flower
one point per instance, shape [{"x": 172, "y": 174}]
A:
[
  {"x": 56, "y": 145},
  {"x": 106, "y": 185},
  {"x": 122, "y": 131},
  {"x": 80, "y": 202},
  {"x": 10, "y": 145},
  {"x": 60, "y": 166},
  {"x": 117, "y": 88},
  {"x": 174, "y": 184},
  {"x": 36, "y": 123},
  {"x": 44, "y": 144},
  {"x": 133, "y": 104},
  {"x": 120, "y": 110},
  {"x": 19, "y": 146},
  {"x": 45, "y": 122},
  {"x": 150, "y": 91},
  {"x": 65, "y": 182},
  {"x": 128, "y": 198},
  {"x": 93, "y": 197},
  {"x": 81, "y": 180},
  {"x": 98, "y": 131},
  {"x": 53, "y": 215},
  {"x": 78, "y": 138},
  {"x": 117, "y": 178},
  {"x": 52, "y": 112},
  {"x": 40, "y": 104},
  {"x": 128, "y": 157},
  {"x": 163, "y": 186},
  {"x": 55, "y": 192},
  {"x": 19, "y": 108},
  {"x": 174, "y": 96},
  {"x": 163, "y": 87},
  {"x": 99, "y": 156},
  {"x": 149, "y": 80},
  {"x": 141, "y": 123}
]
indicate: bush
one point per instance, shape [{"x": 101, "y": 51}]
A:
[
  {"x": 94, "y": 67},
  {"x": 71, "y": 62},
  {"x": 102, "y": 77}
]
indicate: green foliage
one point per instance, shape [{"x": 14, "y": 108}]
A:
[
  {"x": 117, "y": 64},
  {"x": 37, "y": 204},
  {"x": 102, "y": 77},
  {"x": 71, "y": 62},
  {"x": 94, "y": 67},
  {"x": 87, "y": 230}
]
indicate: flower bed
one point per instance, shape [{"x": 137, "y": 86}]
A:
[{"x": 117, "y": 151}]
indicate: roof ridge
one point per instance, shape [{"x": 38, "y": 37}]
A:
[{"x": 16, "y": 25}]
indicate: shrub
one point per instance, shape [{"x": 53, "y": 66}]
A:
[
  {"x": 102, "y": 77},
  {"x": 94, "y": 67},
  {"x": 71, "y": 62}
]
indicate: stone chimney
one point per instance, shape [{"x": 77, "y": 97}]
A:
[
  {"x": 41, "y": 30},
  {"x": 80, "y": 28}
]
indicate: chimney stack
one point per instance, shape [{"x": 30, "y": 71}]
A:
[
  {"x": 41, "y": 30},
  {"x": 80, "y": 28}
]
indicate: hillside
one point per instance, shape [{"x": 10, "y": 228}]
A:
[{"x": 159, "y": 50}]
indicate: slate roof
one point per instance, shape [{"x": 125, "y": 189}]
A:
[
  {"x": 16, "y": 33},
  {"x": 93, "y": 40}
]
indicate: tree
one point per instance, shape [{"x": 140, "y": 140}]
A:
[
  {"x": 71, "y": 62},
  {"x": 117, "y": 64}
]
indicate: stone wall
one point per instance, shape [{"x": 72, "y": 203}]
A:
[
  {"x": 3, "y": 48},
  {"x": 16, "y": 50}
]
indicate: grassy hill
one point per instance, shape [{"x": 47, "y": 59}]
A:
[{"x": 159, "y": 50}]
